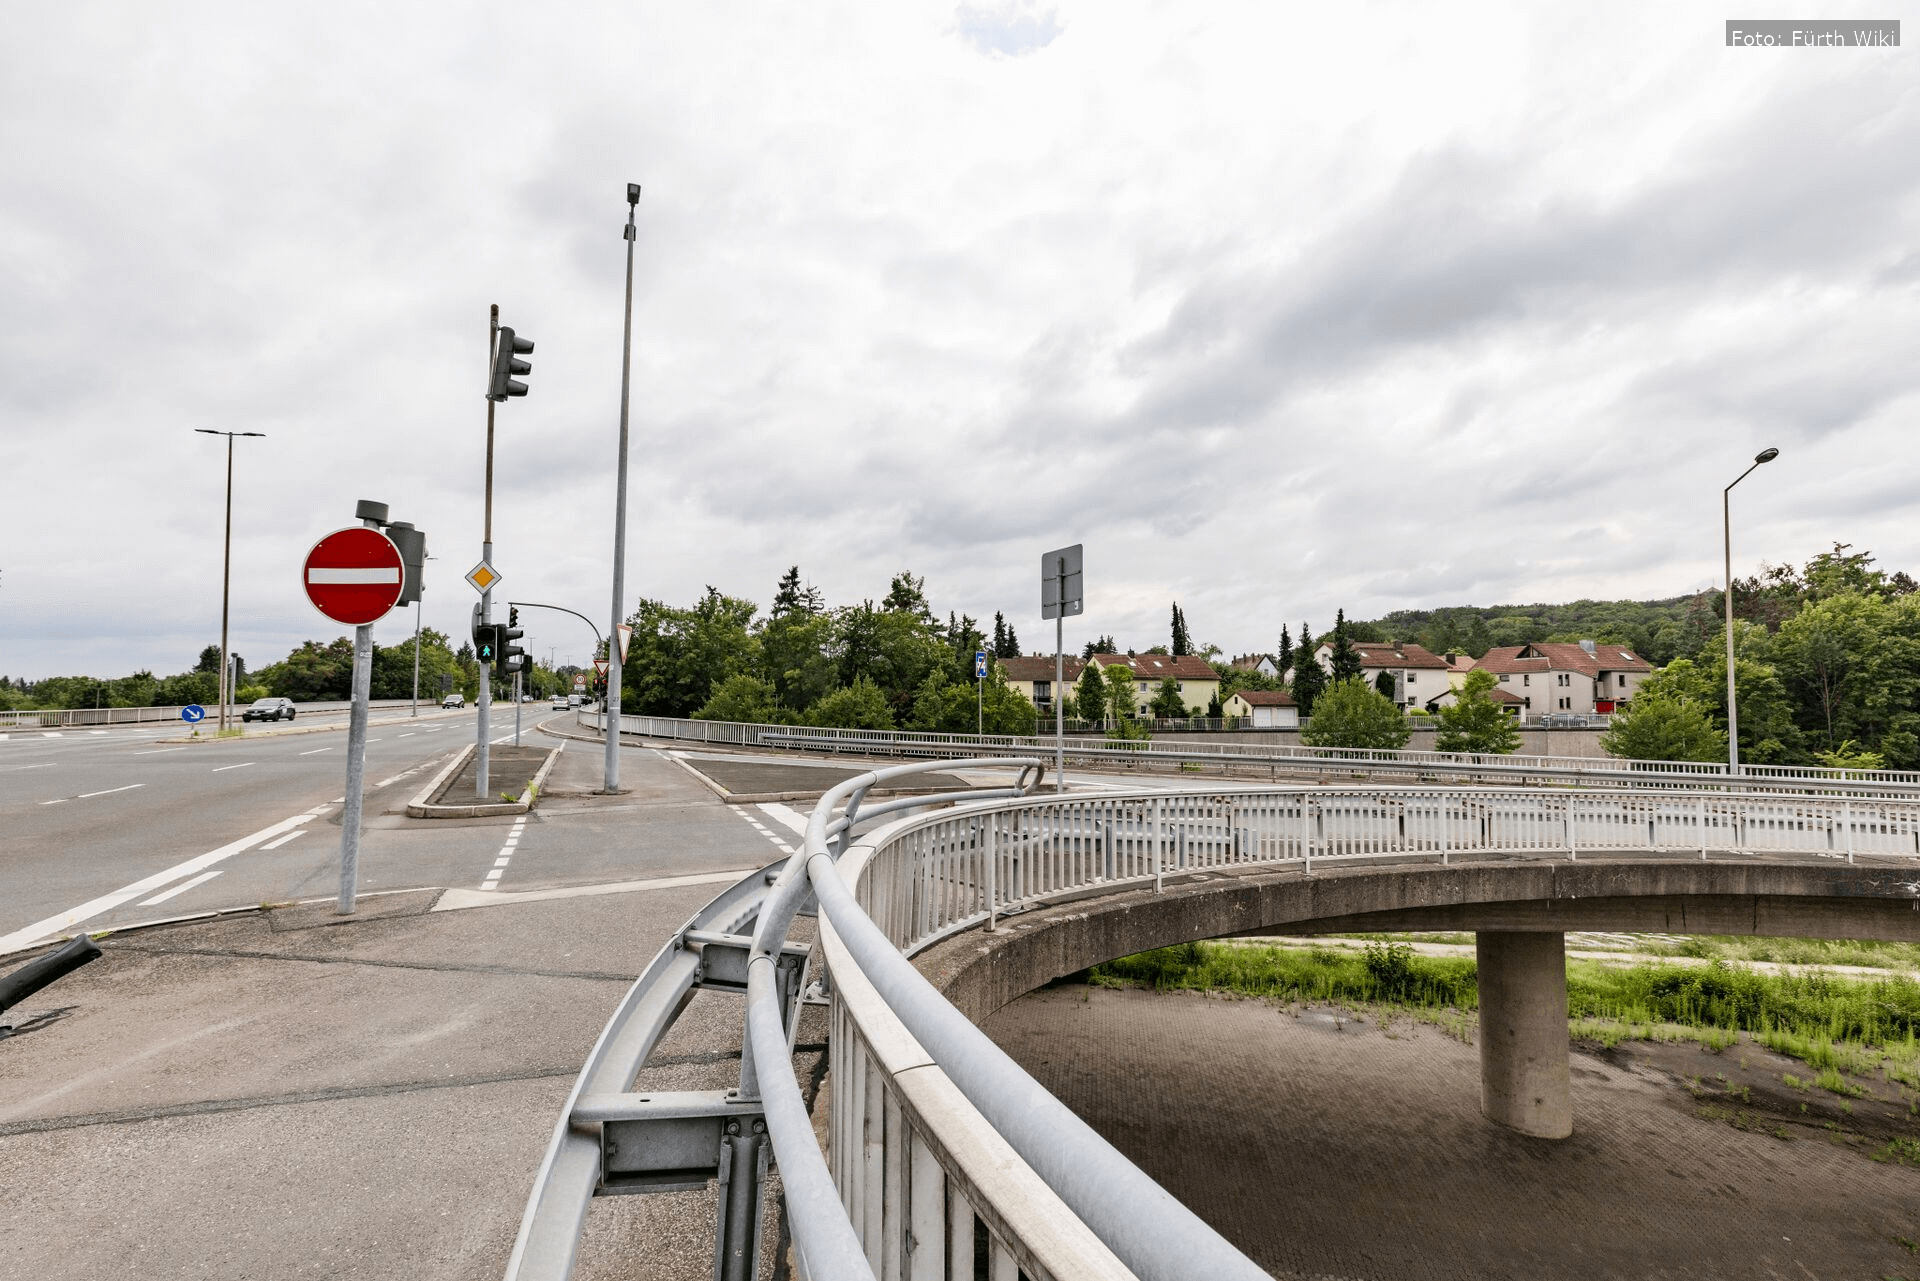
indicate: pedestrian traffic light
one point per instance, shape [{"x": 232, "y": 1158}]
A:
[
  {"x": 507, "y": 366},
  {"x": 485, "y": 642},
  {"x": 511, "y": 655}
]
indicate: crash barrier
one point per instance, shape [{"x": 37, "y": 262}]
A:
[
  {"x": 1273, "y": 760},
  {"x": 59, "y": 718},
  {"x": 941, "y": 1152},
  {"x": 42, "y": 970}
]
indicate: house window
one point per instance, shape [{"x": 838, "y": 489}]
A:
[
  {"x": 1526, "y": 679},
  {"x": 1042, "y": 691},
  {"x": 1504, "y": 678},
  {"x": 1623, "y": 678},
  {"x": 1566, "y": 703},
  {"x": 1410, "y": 678}
]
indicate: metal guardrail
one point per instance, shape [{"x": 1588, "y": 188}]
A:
[
  {"x": 63, "y": 718},
  {"x": 936, "y": 1139},
  {"x": 1412, "y": 766}
]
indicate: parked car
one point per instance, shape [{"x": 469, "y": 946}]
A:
[
  {"x": 269, "y": 709},
  {"x": 454, "y": 700}
]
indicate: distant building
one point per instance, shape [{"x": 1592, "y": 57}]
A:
[
  {"x": 1263, "y": 708},
  {"x": 1262, "y": 663},
  {"x": 1561, "y": 676},
  {"x": 1416, "y": 673},
  {"x": 1192, "y": 675}
]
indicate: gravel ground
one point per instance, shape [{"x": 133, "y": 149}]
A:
[{"x": 1327, "y": 1147}]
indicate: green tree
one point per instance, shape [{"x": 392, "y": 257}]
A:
[
  {"x": 1851, "y": 665},
  {"x": 1344, "y": 661},
  {"x": 1475, "y": 723},
  {"x": 1309, "y": 678},
  {"x": 744, "y": 698},
  {"x": 1182, "y": 640},
  {"x": 1168, "y": 702},
  {"x": 1099, "y": 645},
  {"x": 1122, "y": 702},
  {"x": 796, "y": 655},
  {"x": 1284, "y": 658},
  {"x": 860, "y": 705},
  {"x": 1005, "y": 643},
  {"x": 1661, "y": 727},
  {"x": 1090, "y": 695},
  {"x": 678, "y": 656},
  {"x": 1353, "y": 714},
  {"x": 315, "y": 673}
]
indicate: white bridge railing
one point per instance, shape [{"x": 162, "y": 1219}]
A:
[{"x": 943, "y": 1157}]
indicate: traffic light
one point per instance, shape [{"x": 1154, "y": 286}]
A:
[
  {"x": 413, "y": 554},
  {"x": 511, "y": 655},
  {"x": 486, "y": 640},
  {"x": 507, "y": 366}
]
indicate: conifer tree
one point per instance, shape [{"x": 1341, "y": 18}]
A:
[
  {"x": 1309, "y": 678},
  {"x": 1284, "y": 659},
  {"x": 1346, "y": 663}
]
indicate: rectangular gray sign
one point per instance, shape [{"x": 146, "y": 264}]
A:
[
  {"x": 1062, "y": 590},
  {"x": 1813, "y": 33}
]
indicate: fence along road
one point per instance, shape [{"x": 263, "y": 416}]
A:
[
  {"x": 936, "y": 1140},
  {"x": 1273, "y": 759}
]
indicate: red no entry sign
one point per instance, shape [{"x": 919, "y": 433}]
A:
[{"x": 353, "y": 575}]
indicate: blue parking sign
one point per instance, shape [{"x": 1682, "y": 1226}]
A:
[{"x": 979, "y": 664}]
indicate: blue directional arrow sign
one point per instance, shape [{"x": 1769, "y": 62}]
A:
[
  {"x": 979, "y": 664},
  {"x": 193, "y": 712}
]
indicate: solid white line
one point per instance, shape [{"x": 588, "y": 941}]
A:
[
  {"x": 111, "y": 790},
  {"x": 28, "y": 935},
  {"x": 182, "y": 888},
  {"x": 274, "y": 845},
  {"x": 315, "y": 750},
  {"x": 456, "y": 900},
  {"x": 242, "y": 765}
]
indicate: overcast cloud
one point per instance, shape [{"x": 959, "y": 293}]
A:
[{"x": 1276, "y": 310}]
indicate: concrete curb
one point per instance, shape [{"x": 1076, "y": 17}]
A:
[{"x": 420, "y": 806}]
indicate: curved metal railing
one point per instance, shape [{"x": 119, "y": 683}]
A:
[{"x": 939, "y": 1144}]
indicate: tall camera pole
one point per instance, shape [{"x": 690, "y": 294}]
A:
[{"x": 612, "y": 710}]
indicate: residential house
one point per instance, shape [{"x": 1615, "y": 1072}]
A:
[
  {"x": 1507, "y": 702},
  {"x": 1263, "y": 708},
  {"x": 1560, "y": 676},
  {"x": 1262, "y": 663},
  {"x": 1194, "y": 676},
  {"x": 1417, "y": 674}
]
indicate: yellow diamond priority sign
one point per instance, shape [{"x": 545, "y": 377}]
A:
[{"x": 482, "y": 576}]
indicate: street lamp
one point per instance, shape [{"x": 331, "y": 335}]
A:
[
  {"x": 226, "y": 569},
  {"x": 1726, "y": 532},
  {"x": 611, "y": 710}
]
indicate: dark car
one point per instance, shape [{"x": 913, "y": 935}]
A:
[{"x": 269, "y": 709}]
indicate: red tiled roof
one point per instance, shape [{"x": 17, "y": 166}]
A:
[
  {"x": 1040, "y": 668},
  {"x": 1153, "y": 667},
  {"x": 1405, "y": 655},
  {"x": 1563, "y": 656},
  {"x": 1264, "y": 697}
]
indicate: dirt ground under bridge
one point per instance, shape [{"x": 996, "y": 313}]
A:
[{"x": 1329, "y": 1147}]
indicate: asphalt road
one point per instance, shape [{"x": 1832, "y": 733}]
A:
[{"x": 98, "y": 831}]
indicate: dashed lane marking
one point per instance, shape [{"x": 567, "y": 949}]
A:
[
  {"x": 316, "y": 751},
  {"x": 505, "y": 856},
  {"x": 110, "y": 791},
  {"x": 218, "y": 769},
  {"x": 763, "y": 829},
  {"x": 159, "y": 751},
  {"x": 60, "y": 923}
]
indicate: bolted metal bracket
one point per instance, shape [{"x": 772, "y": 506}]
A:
[
  {"x": 723, "y": 968},
  {"x": 668, "y": 1140}
]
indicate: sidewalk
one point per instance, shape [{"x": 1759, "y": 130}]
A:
[{"x": 285, "y": 1095}]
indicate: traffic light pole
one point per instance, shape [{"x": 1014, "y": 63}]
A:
[
  {"x": 611, "y": 782},
  {"x": 484, "y": 704}
]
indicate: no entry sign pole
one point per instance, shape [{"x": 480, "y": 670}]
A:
[
  {"x": 1062, "y": 592},
  {"x": 355, "y": 575}
]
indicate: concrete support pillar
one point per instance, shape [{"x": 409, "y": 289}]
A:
[{"x": 1524, "y": 1080}]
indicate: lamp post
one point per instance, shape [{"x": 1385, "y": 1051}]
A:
[
  {"x": 226, "y": 568},
  {"x": 611, "y": 781},
  {"x": 1726, "y": 534}
]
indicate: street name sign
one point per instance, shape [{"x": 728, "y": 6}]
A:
[
  {"x": 1062, "y": 590},
  {"x": 354, "y": 575}
]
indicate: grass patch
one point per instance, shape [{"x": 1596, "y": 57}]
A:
[
  {"x": 1865, "y": 952},
  {"x": 1840, "y": 1026}
]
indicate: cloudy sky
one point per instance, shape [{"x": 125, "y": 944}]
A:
[{"x": 1275, "y": 308}]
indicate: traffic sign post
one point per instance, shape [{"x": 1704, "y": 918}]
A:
[
  {"x": 1062, "y": 592},
  {"x": 979, "y": 687},
  {"x": 354, "y": 576},
  {"x": 193, "y": 713}
]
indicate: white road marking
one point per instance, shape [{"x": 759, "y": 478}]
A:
[
  {"x": 111, "y": 790},
  {"x": 458, "y": 900},
  {"x": 28, "y": 935},
  {"x": 41, "y": 765},
  {"x": 159, "y": 751},
  {"x": 242, "y": 765},
  {"x": 409, "y": 734},
  {"x": 61, "y": 801},
  {"x": 182, "y": 888},
  {"x": 315, "y": 751},
  {"x": 96, "y": 731},
  {"x": 786, "y": 816},
  {"x": 51, "y": 734},
  {"x": 290, "y": 836}
]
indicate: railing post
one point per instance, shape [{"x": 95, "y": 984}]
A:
[
  {"x": 1573, "y": 852},
  {"x": 1846, "y": 816},
  {"x": 1703, "y": 829},
  {"x": 1159, "y": 845},
  {"x": 991, "y": 854}
]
